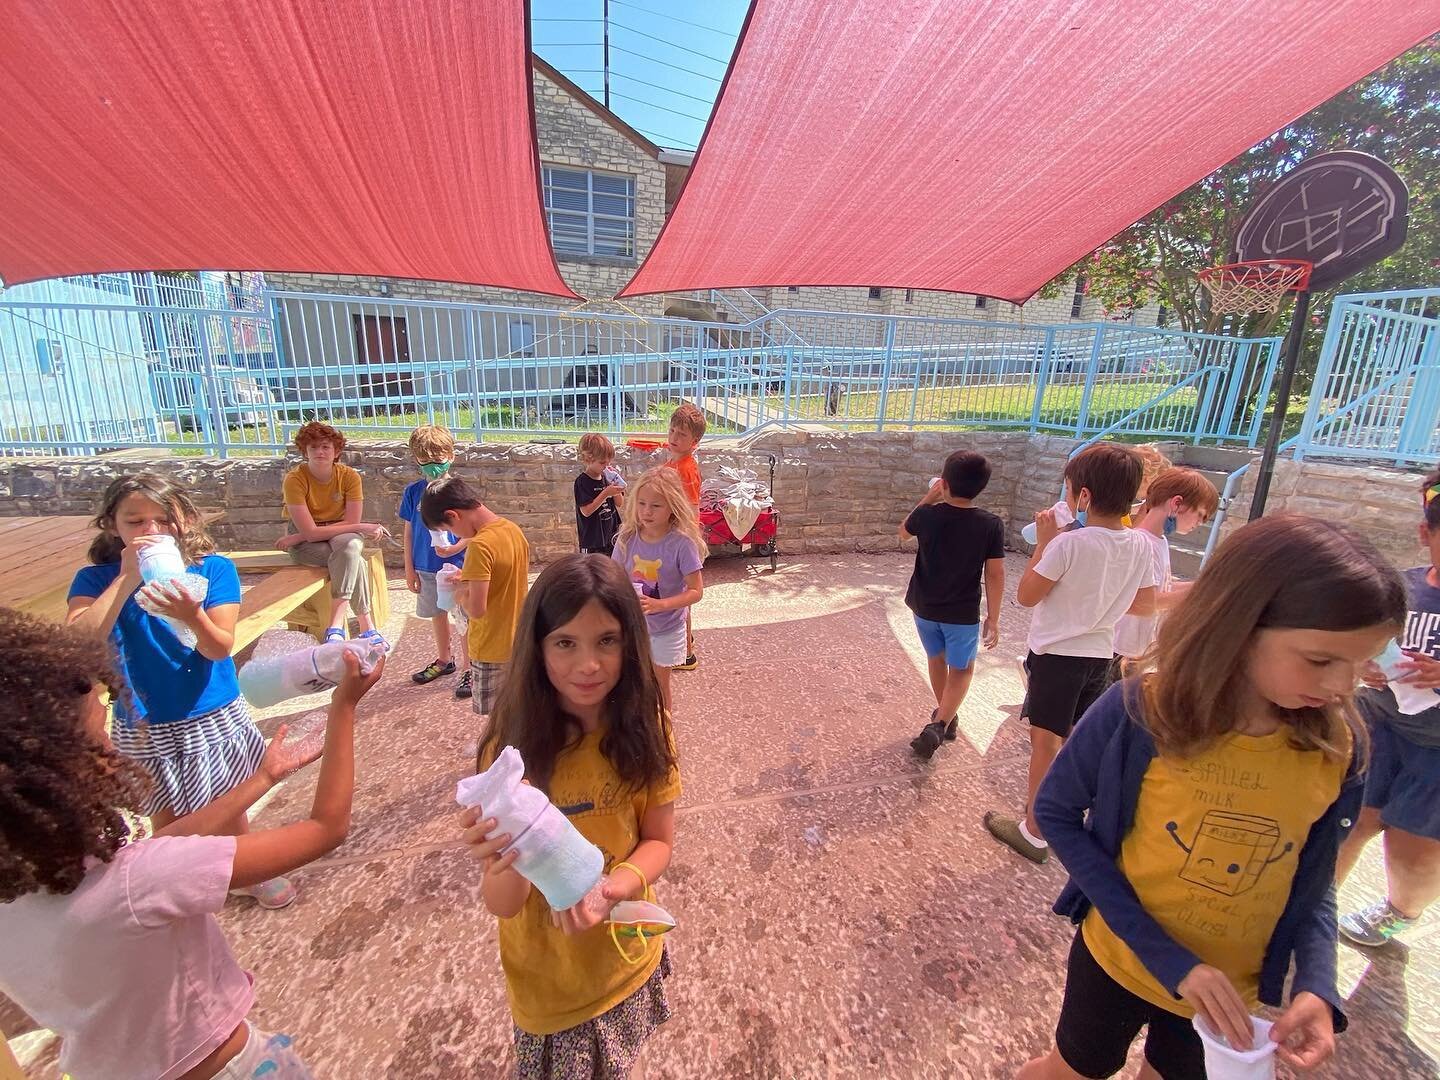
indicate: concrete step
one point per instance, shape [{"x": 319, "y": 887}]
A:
[
  {"x": 1185, "y": 563},
  {"x": 1222, "y": 459}
]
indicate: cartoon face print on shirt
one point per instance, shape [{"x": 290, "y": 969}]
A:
[
  {"x": 1230, "y": 851},
  {"x": 646, "y": 571}
]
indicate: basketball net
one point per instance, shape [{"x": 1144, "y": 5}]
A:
[{"x": 1251, "y": 287}]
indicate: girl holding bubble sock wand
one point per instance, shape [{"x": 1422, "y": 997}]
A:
[
  {"x": 581, "y": 705},
  {"x": 1199, "y": 808},
  {"x": 185, "y": 724}
]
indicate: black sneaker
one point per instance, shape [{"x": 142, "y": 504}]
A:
[
  {"x": 463, "y": 689},
  {"x": 432, "y": 671},
  {"x": 928, "y": 741},
  {"x": 952, "y": 729}
]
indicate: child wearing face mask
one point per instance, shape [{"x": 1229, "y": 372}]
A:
[{"x": 433, "y": 449}]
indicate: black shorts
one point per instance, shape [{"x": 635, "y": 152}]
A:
[
  {"x": 1100, "y": 1019},
  {"x": 1061, "y": 688}
]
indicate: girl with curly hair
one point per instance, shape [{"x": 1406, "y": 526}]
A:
[{"x": 111, "y": 941}]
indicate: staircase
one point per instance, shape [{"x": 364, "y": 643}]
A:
[{"x": 1216, "y": 463}]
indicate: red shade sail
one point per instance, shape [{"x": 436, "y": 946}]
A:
[
  {"x": 984, "y": 148},
  {"x": 389, "y": 137}
]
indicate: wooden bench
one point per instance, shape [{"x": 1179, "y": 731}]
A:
[{"x": 297, "y": 595}]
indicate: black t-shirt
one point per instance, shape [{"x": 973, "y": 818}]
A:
[
  {"x": 597, "y": 531},
  {"x": 955, "y": 541}
]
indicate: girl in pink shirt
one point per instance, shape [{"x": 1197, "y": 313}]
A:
[{"x": 111, "y": 942}]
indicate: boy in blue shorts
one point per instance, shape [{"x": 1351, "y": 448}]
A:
[
  {"x": 959, "y": 545},
  {"x": 433, "y": 449}
]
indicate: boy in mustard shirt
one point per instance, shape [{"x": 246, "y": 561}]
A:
[{"x": 493, "y": 580}]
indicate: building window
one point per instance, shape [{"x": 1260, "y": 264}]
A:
[
  {"x": 875, "y": 292},
  {"x": 522, "y": 337},
  {"x": 981, "y": 301},
  {"x": 590, "y": 213},
  {"x": 909, "y": 296},
  {"x": 1078, "y": 303},
  {"x": 1162, "y": 317},
  {"x": 793, "y": 288}
]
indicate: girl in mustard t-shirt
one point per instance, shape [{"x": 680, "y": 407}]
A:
[
  {"x": 1199, "y": 808},
  {"x": 581, "y": 705}
]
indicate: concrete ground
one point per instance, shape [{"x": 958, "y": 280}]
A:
[{"x": 842, "y": 912}]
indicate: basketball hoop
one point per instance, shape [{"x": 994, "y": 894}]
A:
[{"x": 1259, "y": 285}]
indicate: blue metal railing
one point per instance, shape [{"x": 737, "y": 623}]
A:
[{"x": 225, "y": 381}]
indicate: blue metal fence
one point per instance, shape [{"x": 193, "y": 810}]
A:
[{"x": 80, "y": 377}]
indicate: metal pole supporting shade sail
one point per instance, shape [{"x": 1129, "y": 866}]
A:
[{"x": 374, "y": 137}]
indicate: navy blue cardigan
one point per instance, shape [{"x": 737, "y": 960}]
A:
[{"x": 1099, "y": 770}]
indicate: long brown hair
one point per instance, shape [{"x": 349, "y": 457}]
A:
[
  {"x": 527, "y": 713},
  {"x": 61, "y": 787},
  {"x": 1284, "y": 572},
  {"x": 186, "y": 521}
]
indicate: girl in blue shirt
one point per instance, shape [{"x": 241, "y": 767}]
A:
[{"x": 185, "y": 722}]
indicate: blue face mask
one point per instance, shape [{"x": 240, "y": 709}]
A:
[
  {"x": 434, "y": 470},
  {"x": 1081, "y": 516},
  {"x": 1170, "y": 523}
]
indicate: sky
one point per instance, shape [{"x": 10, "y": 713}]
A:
[{"x": 667, "y": 57}]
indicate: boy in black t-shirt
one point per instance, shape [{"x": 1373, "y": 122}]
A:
[
  {"x": 959, "y": 544},
  {"x": 598, "y": 490}
]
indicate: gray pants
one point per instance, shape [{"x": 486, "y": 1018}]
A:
[{"x": 344, "y": 555}]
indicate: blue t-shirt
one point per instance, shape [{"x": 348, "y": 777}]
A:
[
  {"x": 169, "y": 681},
  {"x": 661, "y": 569},
  {"x": 422, "y": 551}
]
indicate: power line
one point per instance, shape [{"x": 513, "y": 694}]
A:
[
  {"x": 674, "y": 18},
  {"x": 671, "y": 44},
  {"x": 566, "y": 45},
  {"x": 707, "y": 102},
  {"x": 570, "y": 20},
  {"x": 662, "y": 108},
  {"x": 668, "y": 140},
  {"x": 662, "y": 63}
]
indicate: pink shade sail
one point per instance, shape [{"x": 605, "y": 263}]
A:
[
  {"x": 984, "y": 148},
  {"x": 385, "y": 137}
]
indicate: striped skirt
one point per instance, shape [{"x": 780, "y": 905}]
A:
[{"x": 193, "y": 762}]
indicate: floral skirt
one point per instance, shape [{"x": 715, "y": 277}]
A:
[{"x": 604, "y": 1048}]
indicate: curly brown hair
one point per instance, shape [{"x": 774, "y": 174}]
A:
[
  {"x": 60, "y": 784},
  {"x": 314, "y": 432},
  {"x": 187, "y": 524}
]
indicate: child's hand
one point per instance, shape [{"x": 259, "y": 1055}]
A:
[
  {"x": 412, "y": 579},
  {"x": 1046, "y": 528},
  {"x": 594, "y": 909},
  {"x": 650, "y": 605},
  {"x": 1373, "y": 676},
  {"x": 1305, "y": 1032},
  {"x": 1421, "y": 671},
  {"x": 484, "y": 843},
  {"x": 611, "y": 490},
  {"x": 372, "y": 530},
  {"x": 287, "y": 541},
  {"x": 281, "y": 760},
  {"x": 170, "y": 598},
  {"x": 354, "y": 685},
  {"x": 1214, "y": 997},
  {"x": 990, "y": 634},
  {"x": 130, "y": 558}
]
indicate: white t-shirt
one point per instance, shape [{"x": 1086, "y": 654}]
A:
[
  {"x": 1096, "y": 573},
  {"x": 1135, "y": 633},
  {"x": 130, "y": 969}
]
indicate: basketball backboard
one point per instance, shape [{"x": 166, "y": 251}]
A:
[{"x": 1340, "y": 211}]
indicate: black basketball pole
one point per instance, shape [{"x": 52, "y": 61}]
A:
[{"x": 1289, "y": 360}]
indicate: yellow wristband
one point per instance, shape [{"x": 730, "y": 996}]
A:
[{"x": 644, "y": 881}]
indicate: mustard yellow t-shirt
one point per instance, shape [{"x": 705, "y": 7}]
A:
[
  {"x": 556, "y": 981},
  {"x": 326, "y": 502},
  {"x": 500, "y": 555},
  {"x": 1213, "y": 853}
]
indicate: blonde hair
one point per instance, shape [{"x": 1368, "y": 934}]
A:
[
  {"x": 1154, "y": 463},
  {"x": 595, "y": 447},
  {"x": 690, "y": 420},
  {"x": 682, "y": 514},
  {"x": 1194, "y": 488},
  {"x": 429, "y": 443}
]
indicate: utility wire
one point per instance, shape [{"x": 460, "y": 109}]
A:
[
  {"x": 674, "y": 18},
  {"x": 668, "y": 140},
  {"x": 671, "y": 44},
  {"x": 662, "y": 63},
  {"x": 662, "y": 108},
  {"x": 707, "y": 102}
]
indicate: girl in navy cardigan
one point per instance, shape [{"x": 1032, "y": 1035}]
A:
[{"x": 1198, "y": 809}]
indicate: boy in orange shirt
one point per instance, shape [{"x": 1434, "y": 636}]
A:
[{"x": 687, "y": 428}]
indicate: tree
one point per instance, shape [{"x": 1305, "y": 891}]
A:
[{"x": 1393, "y": 114}]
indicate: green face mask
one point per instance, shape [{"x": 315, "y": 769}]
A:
[{"x": 434, "y": 470}]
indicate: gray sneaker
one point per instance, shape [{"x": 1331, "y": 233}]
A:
[
  {"x": 1007, "y": 831},
  {"x": 1374, "y": 925}
]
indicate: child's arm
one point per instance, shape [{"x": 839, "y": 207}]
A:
[
  {"x": 610, "y": 491},
  {"x": 474, "y": 597},
  {"x": 651, "y": 856},
  {"x": 1171, "y": 597},
  {"x": 98, "y": 613},
  {"x": 446, "y": 550},
  {"x": 306, "y": 531},
  {"x": 1035, "y": 586},
  {"x": 412, "y": 579},
  {"x": 1144, "y": 602},
  {"x": 214, "y": 627},
  {"x": 994, "y": 594},
  {"x": 503, "y": 890},
  {"x": 932, "y": 496},
  {"x": 694, "y": 590},
  {"x": 260, "y": 856}
]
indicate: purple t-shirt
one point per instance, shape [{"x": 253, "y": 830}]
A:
[
  {"x": 662, "y": 568},
  {"x": 130, "y": 969}
]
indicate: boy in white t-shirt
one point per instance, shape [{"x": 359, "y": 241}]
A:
[{"x": 1080, "y": 583}]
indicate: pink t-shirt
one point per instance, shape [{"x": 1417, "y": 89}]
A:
[{"x": 130, "y": 969}]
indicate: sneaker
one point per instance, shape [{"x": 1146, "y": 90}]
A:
[
  {"x": 952, "y": 729},
  {"x": 432, "y": 671},
  {"x": 270, "y": 895},
  {"x": 928, "y": 741},
  {"x": 1007, "y": 831},
  {"x": 1374, "y": 925},
  {"x": 690, "y": 664},
  {"x": 463, "y": 689}
]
